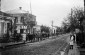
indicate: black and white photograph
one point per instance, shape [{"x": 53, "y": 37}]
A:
[{"x": 42, "y": 27}]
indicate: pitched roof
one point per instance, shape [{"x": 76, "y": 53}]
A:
[
  {"x": 4, "y": 14},
  {"x": 17, "y": 11}
]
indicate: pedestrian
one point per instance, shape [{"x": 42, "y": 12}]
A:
[
  {"x": 74, "y": 37},
  {"x": 71, "y": 41}
]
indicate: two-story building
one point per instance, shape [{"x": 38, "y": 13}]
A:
[{"x": 23, "y": 21}]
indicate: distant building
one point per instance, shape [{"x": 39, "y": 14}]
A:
[
  {"x": 37, "y": 29},
  {"x": 53, "y": 30}
]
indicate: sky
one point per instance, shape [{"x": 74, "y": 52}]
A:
[{"x": 44, "y": 10}]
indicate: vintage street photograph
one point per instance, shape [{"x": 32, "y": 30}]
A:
[{"x": 42, "y": 27}]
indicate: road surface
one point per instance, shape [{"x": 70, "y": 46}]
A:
[{"x": 46, "y": 47}]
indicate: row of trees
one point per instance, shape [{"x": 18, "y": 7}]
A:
[
  {"x": 74, "y": 20},
  {"x": 45, "y": 29}
]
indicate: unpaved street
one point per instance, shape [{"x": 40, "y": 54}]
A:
[{"x": 46, "y": 47}]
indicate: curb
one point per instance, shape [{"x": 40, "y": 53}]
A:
[
  {"x": 3, "y": 45},
  {"x": 65, "y": 50}
]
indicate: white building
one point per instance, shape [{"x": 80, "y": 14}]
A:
[
  {"x": 4, "y": 23},
  {"x": 53, "y": 30},
  {"x": 20, "y": 18}
]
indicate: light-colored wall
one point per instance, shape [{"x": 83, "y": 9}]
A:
[
  {"x": 33, "y": 18},
  {"x": 2, "y": 29},
  {"x": 5, "y": 28},
  {"x": 53, "y": 30},
  {"x": 37, "y": 28}
]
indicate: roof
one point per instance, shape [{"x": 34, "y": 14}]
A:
[
  {"x": 4, "y": 14},
  {"x": 17, "y": 11}
]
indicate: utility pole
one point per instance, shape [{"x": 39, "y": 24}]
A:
[
  {"x": 72, "y": 16},
  {"x": 71, "y": 12},
  {"x": 30, "y": 7}
]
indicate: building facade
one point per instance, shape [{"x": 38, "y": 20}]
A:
[
  {"x": 23, "y": 22},
  {"x": 5, "y": 23}
]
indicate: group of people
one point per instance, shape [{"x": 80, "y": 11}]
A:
[{"x": 76, "y": 37}]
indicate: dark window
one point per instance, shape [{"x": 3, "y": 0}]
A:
[
  {"x": 21, "y": 30},
  {"x": 16, "y": 19},
  {"x": 22, "y": 19}
]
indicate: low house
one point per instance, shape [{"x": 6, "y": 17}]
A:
[
  {"x": 5, "y": 24},
  {"x": 53, "y": 30}
]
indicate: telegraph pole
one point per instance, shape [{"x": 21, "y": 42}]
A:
[
  {"x": 72, "y": 17},
  {"x": 71, "y": 12},
  {"x": 30, "y": 7}
]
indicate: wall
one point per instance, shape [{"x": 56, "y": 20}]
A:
[{"x": 1, "y": 29}]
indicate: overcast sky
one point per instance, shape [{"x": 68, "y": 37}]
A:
[{"x": 44, "y": 10}]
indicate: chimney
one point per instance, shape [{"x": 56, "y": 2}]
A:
[{"x": 20, "y": 8}]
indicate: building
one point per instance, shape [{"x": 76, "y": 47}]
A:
[
  {"x": 22, "y": 20},
  {"x": 5, "y": 21},
  {"x": 37, "y": 29},
  {"x": 53, "y": 30},
  {"x": 31, "y": 21}
]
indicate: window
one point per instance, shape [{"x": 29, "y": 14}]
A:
[
  {"x": 22, "y": 19},
  {"x": 16, "y": 19}
]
